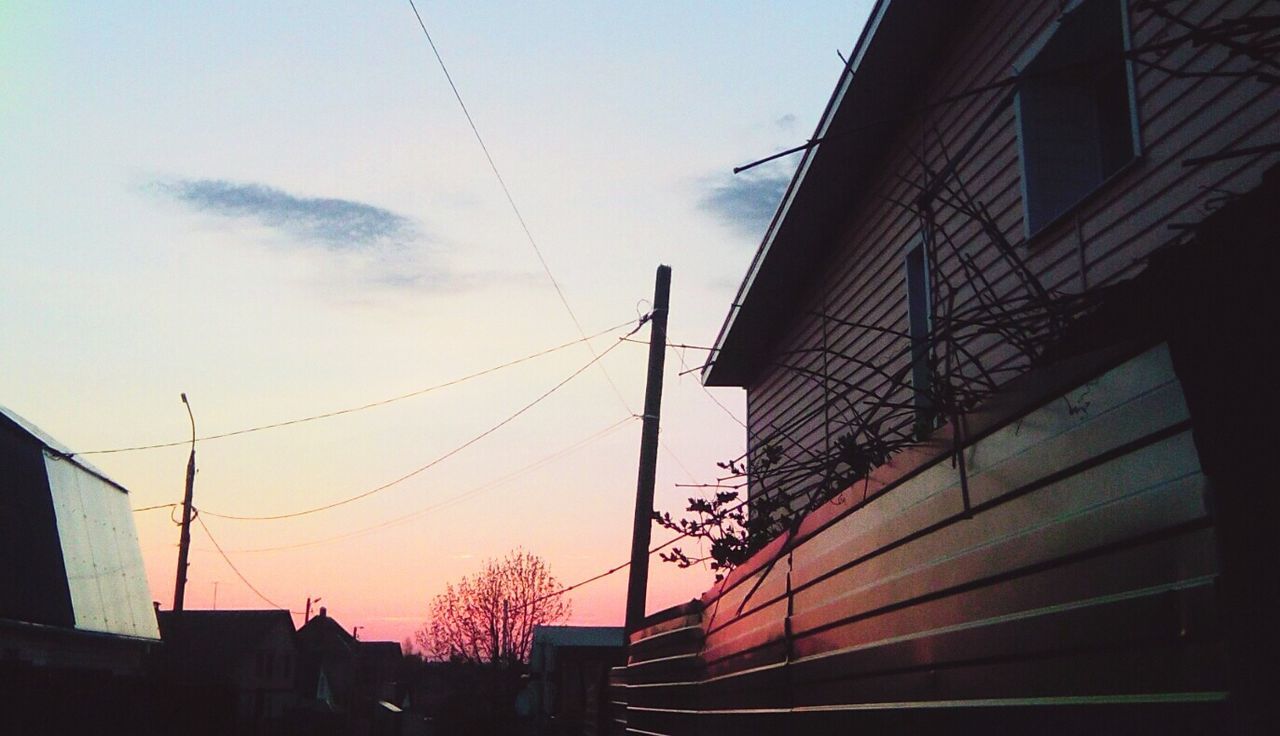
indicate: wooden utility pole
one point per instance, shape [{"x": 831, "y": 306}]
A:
[
  {"x": 638, "y": 581},
  {"x": 184, "y": 541}
]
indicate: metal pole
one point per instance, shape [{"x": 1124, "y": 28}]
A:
[
  {"x": 184, "y": 542},
  {"x": 638, "y": 582}
]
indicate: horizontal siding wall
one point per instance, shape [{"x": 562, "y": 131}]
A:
[
  {"x": 799, "y": 400},
  {"x": 1076, "y": 592}
]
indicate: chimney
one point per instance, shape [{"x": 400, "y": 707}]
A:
[{"x": 323, "y": 611}]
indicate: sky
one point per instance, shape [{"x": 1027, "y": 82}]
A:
[{"x": 281, "y": 210}]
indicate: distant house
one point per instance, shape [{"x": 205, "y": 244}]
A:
[
  {"x": 1007, "y": 348},
  {"x": 345, "y": 674},
  {"x": 328, "y": 667},
  {"x": 230, "y": 670},
  {"x": 378, "y": 664},
  {"x": 568, "y": 676},
  {"x": 76, "y": 620},
  {"x": 427, "y": 687}
]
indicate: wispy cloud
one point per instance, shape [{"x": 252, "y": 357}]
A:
[
  {"x": 339, "y": 224},
  {"x": 748, "y": 200},
  {"x": 357, "y": 253}
]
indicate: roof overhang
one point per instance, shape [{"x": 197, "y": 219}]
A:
[
  {"x": 15, "y": 421},
  {"x": 874, "y": 92}
]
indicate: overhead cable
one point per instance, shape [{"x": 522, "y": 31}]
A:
[
  {"x": 362, "y": 407},
  {"x": 625, "y": 565},
  {"x": 679, "y": 353},
  {"x": 454, "y": 499},
  {"x": 511, "y": 200},
  {"x": 236, "y": 570},
  {"x": 603, "y": 575},
  {"x": 438, "y": 460}
]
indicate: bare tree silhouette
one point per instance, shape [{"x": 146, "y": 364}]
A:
[{"x": 489, "y": 617}]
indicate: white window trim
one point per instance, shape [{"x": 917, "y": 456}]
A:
[{"x": 1135, "y": 128}]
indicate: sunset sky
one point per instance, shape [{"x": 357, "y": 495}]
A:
[{"x": 280, "y": 209}]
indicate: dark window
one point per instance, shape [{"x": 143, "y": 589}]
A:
[
  {"x": 1075, "y": 111},
  {"x": 920, "y": 319}
]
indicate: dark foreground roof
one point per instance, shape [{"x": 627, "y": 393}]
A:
[
  {"x": 387, "y": 651},
  {"x": 218, "y": 639}
]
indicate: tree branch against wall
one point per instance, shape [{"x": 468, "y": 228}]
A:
[{"x": 489, "y": 617}]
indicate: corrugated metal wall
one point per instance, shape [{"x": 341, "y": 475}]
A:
[{"x": 1075, "y": 594}]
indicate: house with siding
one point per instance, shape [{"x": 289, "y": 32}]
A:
[{"x": 1004, "y": 348}]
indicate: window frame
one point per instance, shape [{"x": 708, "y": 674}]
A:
[
  {"x": 919, "y": 290},
  {"x": 1026, "y": 59}
]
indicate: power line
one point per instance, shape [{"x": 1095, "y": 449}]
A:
[
  {"x": 599, "y": 576},
  {"x": 524, "y": 226},
  {"x": 362, "y": 407},
  {"x": 511, "y": 200},
  {"x": 453, "y": 500},
  {"x": 675, "y": 345},
  {"x": 561, "y": 591},
  {"x": 236, "y": 570},
  {"x": 603, "y": 575},
  {"x": 625, "y": 565},
  {"x": 581, "y": 583},
  {"x": 438, "y": 460},
  {"x": 493, "y": 165},
  {"x": 705, "y": 390}
]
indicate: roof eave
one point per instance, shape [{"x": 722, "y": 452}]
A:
[
  {"x": 53, "y": 447},
  {"x": 871, "y": 91},
  {"x": 711, "y": 374}
]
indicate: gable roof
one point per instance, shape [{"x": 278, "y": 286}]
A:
[
  {"x": 874, "y": 91},
  {"x": 323, "y": 635},
  {"x": 70, "y": 532},
  {"x": 13, "y": 421}
]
